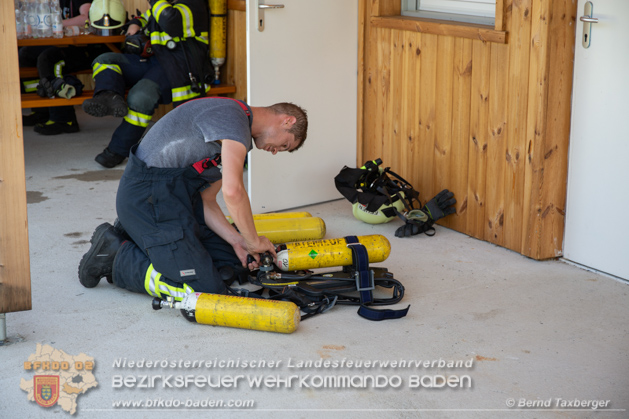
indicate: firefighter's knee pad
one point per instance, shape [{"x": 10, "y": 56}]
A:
[{"x": 144, "y": 96}]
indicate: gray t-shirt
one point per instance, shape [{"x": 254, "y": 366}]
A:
[{"x": 188, "y": 133}]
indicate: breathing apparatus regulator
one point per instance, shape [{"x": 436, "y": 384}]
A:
[
  {"x": 107, "y": 17},
  {"x": 379, "y": 195}
]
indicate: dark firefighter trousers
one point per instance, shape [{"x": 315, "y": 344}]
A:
[{"x": 171, "y": 251}]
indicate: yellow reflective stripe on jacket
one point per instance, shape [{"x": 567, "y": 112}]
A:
[
  {"x": 183, "y": 93},
  {"x": 161, "y": 38},
  {"x": 30, "y": 85},
  {"x": 138, "y": 119},
  {"x": 97, "y": 68},
  {"x": 187, "y": 20},
  {"x": 159, "y": 7},
  {"x": 58, "y": 69},
  {"x": 144, "y": 17},
  {"x": 203, "y": 38},
  {"x": 156, "y": 288}
]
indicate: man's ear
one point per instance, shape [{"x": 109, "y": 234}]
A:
[{"x": 289, "y": 121}]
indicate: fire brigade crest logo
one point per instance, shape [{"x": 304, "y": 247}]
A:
[
  {"x": 46, "y": 389},
  {"x": 59, "y": 378}
]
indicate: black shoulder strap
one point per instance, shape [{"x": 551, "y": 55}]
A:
[{"x": 365, "y": 285}]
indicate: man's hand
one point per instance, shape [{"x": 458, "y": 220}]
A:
[
  {"x": 133, "y": 29},
  {"x": 262, "y": 245},
  {"x": 243, "y": 250},
  {"x": 240, "y": 247}
]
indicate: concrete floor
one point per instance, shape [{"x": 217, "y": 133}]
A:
[{"x": 535, "y": 332}]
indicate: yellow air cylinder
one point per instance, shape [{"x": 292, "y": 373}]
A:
[
  {"x": 218, "y": 35},
  {"x": 284, "y": 230},
  {"x": 330, "y": 253},
  {"x": 242, "y": 312},
  {"x": 272, "y": 215}
]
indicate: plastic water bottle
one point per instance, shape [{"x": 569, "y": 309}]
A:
[
  {"x": 30, "y": 18},
  {"x": 44, "y": 27},
  {"x": 19, "y": 23},
  {"x": 71, "y": 30},
  {"x": 57, "y": 21}
]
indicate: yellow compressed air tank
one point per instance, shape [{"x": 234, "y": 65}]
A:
[
  {"x": 272, "y": 215},
  {"x": 329, "y": 253},
  {"x": 241, "y": 312},
  {"x": 218, "y": 35},
  {"x": 284, "y": 230}
]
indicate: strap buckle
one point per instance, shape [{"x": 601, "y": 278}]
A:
[{"x": 361, "y": 284}]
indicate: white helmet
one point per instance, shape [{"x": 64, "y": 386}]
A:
[
  {"x": 382, "y": 215},
  {"x": 107, "y": 16}
]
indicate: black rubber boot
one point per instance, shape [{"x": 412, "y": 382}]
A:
[
  {"x": 106, "y": 103},
  {"x": 109, "y": 159},
  {"x": 98, "y": 261},
  {"x": 56, "y": 128},
  {"x": 38, "y": 116}
]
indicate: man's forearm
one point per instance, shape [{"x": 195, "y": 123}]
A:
[
  {"x": 240, "y": 210},
  {"x": 214, "y": 217}
]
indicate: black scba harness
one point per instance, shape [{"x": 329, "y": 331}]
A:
[
  {"x": 318, "y": 293},
  {"x": 373, "y": 187}
]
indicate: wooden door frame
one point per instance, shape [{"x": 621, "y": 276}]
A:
[{"x": 15, "y": 279}]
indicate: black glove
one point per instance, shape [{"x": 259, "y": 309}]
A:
[
  {"x": 421, "y": 221},
  {"x": 440, "y": 206},
  {"x": 45, "y": 87}
]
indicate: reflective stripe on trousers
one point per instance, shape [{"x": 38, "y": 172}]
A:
[
  {"x": 97, "y": 68},
  {"x": 138, "y": 119},
  {"x": 157, "y": 288},
  {"x": 58, "y": 70},
  {"x": 30, "y": 86}
]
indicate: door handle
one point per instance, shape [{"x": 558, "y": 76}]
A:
[
  {"x": 261, "y": 8},
  {"x": 587, "y": 20}
]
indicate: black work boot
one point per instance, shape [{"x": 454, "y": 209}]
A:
[
  {"x": 39, "y": 115},
  {"x": 56, "y": 128},
  {"x": 106, "y": 103},
  {"x": 109, "y": 159},
  {"x": 98, "y": 261}
]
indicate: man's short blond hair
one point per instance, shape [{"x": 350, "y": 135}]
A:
[{"x": 300, "y": 127}]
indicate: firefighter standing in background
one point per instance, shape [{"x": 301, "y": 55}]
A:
[
  {"x": 53, "y": 64},
  {"x": 179, "y": 70}
]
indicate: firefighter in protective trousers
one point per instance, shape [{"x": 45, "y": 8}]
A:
[
  {"x": 172, "y": 238},
  {"x": 175, "y": 67}
]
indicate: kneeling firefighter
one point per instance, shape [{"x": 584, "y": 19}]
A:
[{"x": 379, "y": 195}]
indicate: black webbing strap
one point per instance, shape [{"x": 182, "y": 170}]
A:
[{"x": 365, "y": 284}]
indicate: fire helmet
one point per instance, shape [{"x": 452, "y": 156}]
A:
[
  {"x": 382, "y": 215},
  {"x": 377, "y": 194},
  {"x": 107, "y": 16}
]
